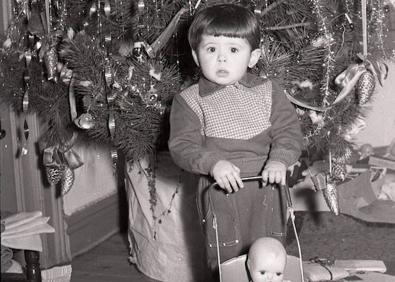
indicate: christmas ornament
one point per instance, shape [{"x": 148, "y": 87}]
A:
[
  {"x": 51, "y": 62},
  {"x": 339, "y": 171},
  {"x": 365, "y": 87},
  {"x": 151, "y": 97},
  {"x": 85, "y": 121},
  {"x": 347, "y": 80},
  {"x": 54, "y": 174},
  {"x": 67, "y": 180},
  {"x": 138, "y": 51},
  {"x": 60, "y": 161},
  {"x": 331, "y": 196}
]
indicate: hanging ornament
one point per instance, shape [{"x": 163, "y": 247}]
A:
[
  {"x": 331, "y": 196},
  {"x": 51, "y": 63},
  {"x": 67, "y": 180},
  {"x": 59, "y": 160},
  {"x": 138, "y": 51},
  {"x": 339, "y": 170},
  {"x": 54, "y": 174},
  {"x": 347, "y": 80},
  {"x": 365, "y": 87},
  {"x": 349, "y": 21},
  {"x": 85, "y": 121},
  {"x": 151, "y": 97}
]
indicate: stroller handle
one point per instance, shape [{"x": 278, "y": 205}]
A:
[
  {"x": 259, "y": 178},
  {"x": 250, "y": 178}
]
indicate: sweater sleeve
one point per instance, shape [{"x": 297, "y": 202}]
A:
[
  {"x": 186, "y": 143},
  {"x": 286, "y": 133}
]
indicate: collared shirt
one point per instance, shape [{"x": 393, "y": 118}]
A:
[
  {"x": 207, "y": 87},
  {"x": 247, "y": 120}
]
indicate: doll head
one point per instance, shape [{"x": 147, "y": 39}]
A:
[{"x": 266, "y": 260}]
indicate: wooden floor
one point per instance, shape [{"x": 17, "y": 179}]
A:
[
  {"x": 321, "y": 235},
  {"x": 108, "y": 262}
]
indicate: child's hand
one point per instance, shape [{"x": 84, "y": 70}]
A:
[
  {"x": 227, "y": 175},
  {"x": 274, "y": 172}
]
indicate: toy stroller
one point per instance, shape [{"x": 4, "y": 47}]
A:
[{"x": 235, "y": 269}]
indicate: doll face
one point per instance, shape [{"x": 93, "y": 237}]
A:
[
  {"x": 266, "y": 260},
  {"x": 267, "y": 268}
]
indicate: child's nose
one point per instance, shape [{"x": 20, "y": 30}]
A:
[{"x": 221, "y": 57}]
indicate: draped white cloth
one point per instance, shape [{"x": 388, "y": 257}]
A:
[{"x": 169, "y": 247}]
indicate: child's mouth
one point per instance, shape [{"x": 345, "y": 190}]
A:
[{"x": 222, "y": 73}]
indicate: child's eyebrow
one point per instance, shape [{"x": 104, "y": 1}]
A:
[{"x": 208, "y": 43}]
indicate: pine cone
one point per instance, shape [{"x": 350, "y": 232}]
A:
[
  {"x": 331, "y": 197},
  {"x": 67, "y": 180},
  {"x": 339, "y": 171},
  {"x": 365, "y": 87},
  {"x": 54, "y": 174}
]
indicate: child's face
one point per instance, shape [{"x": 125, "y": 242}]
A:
[
  {"x": 267, "y": 268},
  {"x": 224, "y": 60}
]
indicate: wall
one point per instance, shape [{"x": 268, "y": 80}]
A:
[
  {"x": 380, "y": 121},
  {"x": 94, "y": 180}
]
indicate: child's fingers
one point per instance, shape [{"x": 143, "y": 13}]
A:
[
  {"x": 233, "y": 183},
  {"x": 239, "y": 182},
  {"x": 226, "y": 184},
  {"x": 272, "y": 176},
  {"x": 264, "y": 176},
  {"x": 236, "y": 177},
  {"x": 283, "y": 178}
]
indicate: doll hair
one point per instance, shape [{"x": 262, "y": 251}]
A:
[{"x": 225, "y": 20}]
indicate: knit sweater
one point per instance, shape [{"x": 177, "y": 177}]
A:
[{"x": 249, "y": 120}]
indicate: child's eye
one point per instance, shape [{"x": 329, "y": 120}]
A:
[
  {"x": 211, "y": 49},
  {"x": 279, "y": 273},
  {"x": 234, "y": 50},
  {"x": 262, "y": 272}
]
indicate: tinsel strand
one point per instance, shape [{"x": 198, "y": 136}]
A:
[{"x": 328, "y": 63}]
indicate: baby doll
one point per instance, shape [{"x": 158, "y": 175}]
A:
[{"x": 266, "y": 260}]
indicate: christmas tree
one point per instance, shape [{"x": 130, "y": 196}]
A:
[{"x": 106, "y": 70}]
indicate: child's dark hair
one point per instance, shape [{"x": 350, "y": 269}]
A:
[{"x": 225, "y": 20}]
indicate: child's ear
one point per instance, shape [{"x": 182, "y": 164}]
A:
[
  {"x": 195, "y": 57},
  {"x": 255, "y": 55}
]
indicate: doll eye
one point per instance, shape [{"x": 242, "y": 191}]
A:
[
  {"x": 262, "y": 272},
  {"x": 279, "y": 273}
]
